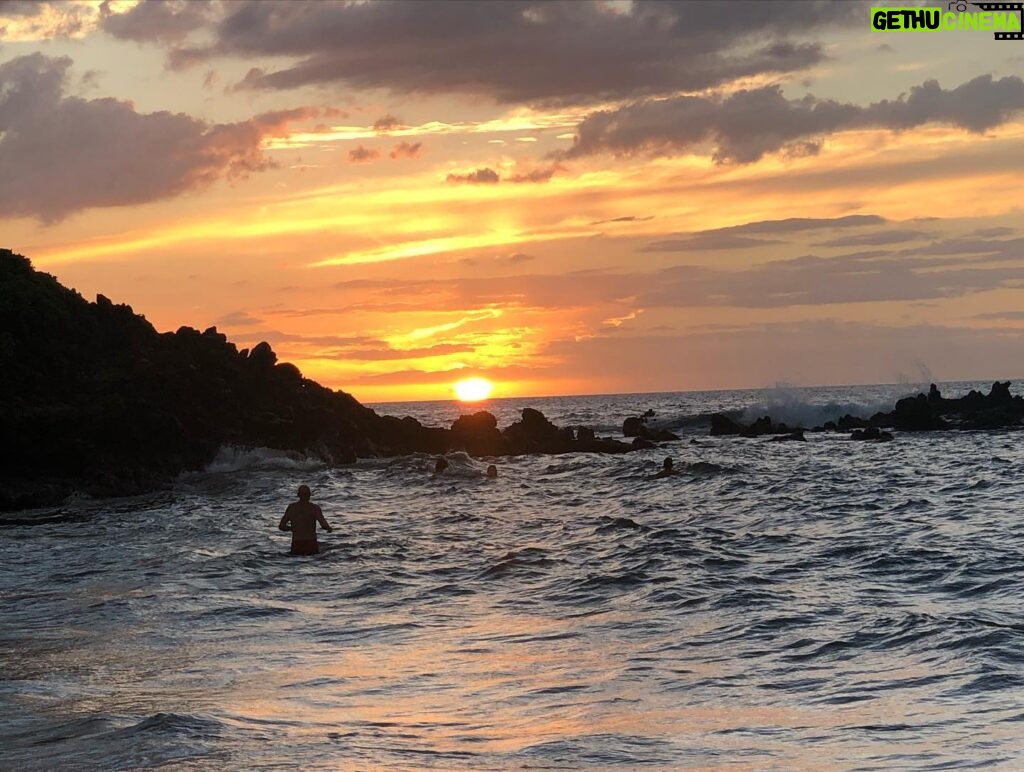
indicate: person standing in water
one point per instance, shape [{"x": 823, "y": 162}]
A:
[{"x": 301, "y": 518}]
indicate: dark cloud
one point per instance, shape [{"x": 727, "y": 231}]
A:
[
  {"x": 487, "y": 176},
  {"x": 164, "y": 21},
  {"x": 627, "y": 218},
  {"x": 1002, "y": 315},
  {"x": 797, "y": 224},
  {"x": 387, "y": 123},
  {"x": 362, "y": 155},
  {"x": 878, "y": 238},
  {"x": 536, "y": 175},
  {"x": 523, "y": 50},
  {"x": 809, "y": 280},
  {"x": 60, "y": 154},
  {"x": 407, "y": 150},
  {"x": 744, "y": 126},
  {"x": 731, "y": 237},
  {"x": 991, "y": 233},
  {"x": 706, "y": 240},
  {"x": 482, "y": 176}
]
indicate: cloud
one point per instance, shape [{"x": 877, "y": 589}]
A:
[
  {"x": 387, "y": 123},
  {"x": 1002, "y": 315},
  {"x": 708, "y": 241},
  {"x": 30, "y": 20},
  {"x": 522, "y": 50},
  {"x": 536, "y": 175},
  {"x": 238, "y": 319},
  {"x": 878, "y": 238},
  {"x": 487, "y": 176},
  {"x": 731, "y": 238},
  {"x": 744, "y": 126},
  {"x": 362, "y": 155},
  {"x": 484, "y": 176},
  {"x": 520, "y": 257},
  {"x": 407, "y": 150},
  {"x": 166, "y": 21},
  {"x": 809, "y": 280},
  {"x": 61, "y": 154},
  {"x": 626, "y": 218}
]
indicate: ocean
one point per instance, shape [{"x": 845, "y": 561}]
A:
[{"x": 820, "y": 605}]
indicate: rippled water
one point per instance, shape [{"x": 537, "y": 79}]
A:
[{"x": 828, "y": 604}]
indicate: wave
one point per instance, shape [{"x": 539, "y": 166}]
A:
[
  {"x": 234, "y": 459},
  {"x": 789, "y": 407}
]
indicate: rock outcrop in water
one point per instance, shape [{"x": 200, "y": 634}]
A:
[
  {"x": 999, "y": 409},
  {"x": 94, "y": 399},
  {"x": 636, "y": 426}
]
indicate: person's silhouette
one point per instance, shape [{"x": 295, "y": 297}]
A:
[
  {"x": 301, "y": 518},
  {"x": 666, "y": 469}
]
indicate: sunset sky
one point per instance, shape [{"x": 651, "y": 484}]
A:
[{"x": 561, "y": 197}]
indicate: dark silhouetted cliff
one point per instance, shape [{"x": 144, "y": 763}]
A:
[{"x": 94, "y": 399}]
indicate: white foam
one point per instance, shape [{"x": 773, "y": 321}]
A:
[{"x": 233, "y": 459}]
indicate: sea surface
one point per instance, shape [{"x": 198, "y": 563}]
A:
[{"x": 821, "y": 605}]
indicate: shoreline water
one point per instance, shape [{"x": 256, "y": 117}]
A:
[{"x": 832, "y": 604}]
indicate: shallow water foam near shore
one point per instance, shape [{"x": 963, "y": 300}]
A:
[{"x": 779, "y": 605}]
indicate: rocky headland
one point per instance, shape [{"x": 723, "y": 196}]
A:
[{"x": 94, "y": 400}]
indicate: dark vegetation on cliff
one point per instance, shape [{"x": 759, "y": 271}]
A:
[{"x": 94, "y": 399}]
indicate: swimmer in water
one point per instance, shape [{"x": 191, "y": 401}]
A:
[
  {"x": 492, "y": 471},
  {"x": 301, "y": 518},
  {"x": 666, "y": 470},
  {"x": 440, "y": 465}
]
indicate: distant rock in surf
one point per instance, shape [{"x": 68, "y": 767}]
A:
[
  {"x": 636, "y": 426},
  {"x": 999, "y": 409}
]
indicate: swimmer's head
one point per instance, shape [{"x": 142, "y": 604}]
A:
[
  {"x": 492, "y": 471},
  {"x": 304, "y": 493},
  {"x": 441, "y": 464},
  {"x": 667, "y": 465}
]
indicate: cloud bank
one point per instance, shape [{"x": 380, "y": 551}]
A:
[{"x": 60, "y": 154}]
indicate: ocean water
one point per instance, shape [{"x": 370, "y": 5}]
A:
[{"x": 819, "y": 605}]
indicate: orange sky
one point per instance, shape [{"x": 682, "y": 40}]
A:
[{"x": 561, "y": 197}]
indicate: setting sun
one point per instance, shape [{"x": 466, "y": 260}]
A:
[{"x": 473, "y": 389}]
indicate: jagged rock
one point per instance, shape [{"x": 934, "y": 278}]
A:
[
  {"x": 478, "y": 435},
  {"x": 722, "y": 425},
  {"x": 641, "y": 444},
  {"x": 636, "y": 426},
  {"x": 871, "y": 433}
]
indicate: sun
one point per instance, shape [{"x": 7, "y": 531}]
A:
[{"x": 473, "y": 389}]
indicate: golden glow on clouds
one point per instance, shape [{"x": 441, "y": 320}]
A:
[
  {"x": 76, "y": 20},
  {"x": 516, "y": 121}
]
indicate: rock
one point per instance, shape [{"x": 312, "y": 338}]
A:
[
  {"x": 636, "y": 426},
  {"x": 796, "y": 435},
  {"x": 934, "y": 395},
  {"x": 633, "y": 426},
  {"x": 478, "y": 435},
  {"x": 641, "y": 444},
  {"x": 870, "y": 433},
  {"x": 723, "y": 425}
]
